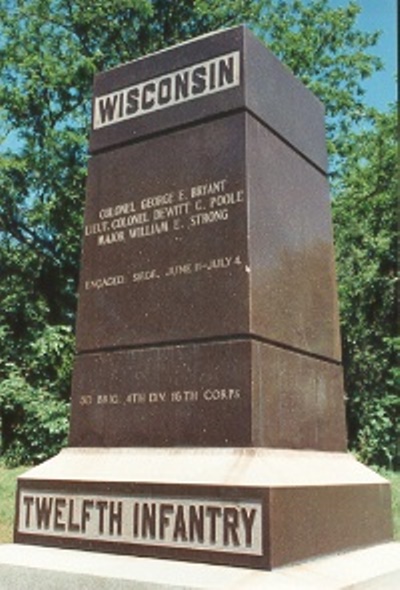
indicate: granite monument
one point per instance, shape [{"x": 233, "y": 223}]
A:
[{"x": 208, "y": 415}]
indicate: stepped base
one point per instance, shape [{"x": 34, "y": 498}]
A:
[
  {"x": 256, "y": 508},
  {"x": 42, "y": 568}
]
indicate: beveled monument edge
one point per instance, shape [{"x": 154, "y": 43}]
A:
[{"x": 305, "y": 132}]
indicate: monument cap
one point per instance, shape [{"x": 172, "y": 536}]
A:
[{"x": 209, "y": 77}]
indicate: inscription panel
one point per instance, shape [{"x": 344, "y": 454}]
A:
[
  {"x": 236, "y": 393},
  {"x": 165, "y": 240},
  {"x": 196, "y": 394},
  {"x": 180, "y": 86},
  {"x": 211, "y": 76},
  {"x": 175, "y": 522},
  {"x": 190, "y": 522}
]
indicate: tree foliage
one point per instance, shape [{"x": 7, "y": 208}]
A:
[
  {"x": 365, "y": 217},
  {"x": 49, "y": 52}
]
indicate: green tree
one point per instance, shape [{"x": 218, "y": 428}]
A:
[
  {"x": 365, "y": 218},
  {"x": 49, "y": 51}
]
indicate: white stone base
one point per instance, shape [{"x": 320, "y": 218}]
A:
[
  {"x": 25, "y": 567},
  {"x": 250, "y": 467}
]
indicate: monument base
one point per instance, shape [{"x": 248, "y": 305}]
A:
[
  {"x": 43, "y": 568},
  {"x": 255, "y": 508}
]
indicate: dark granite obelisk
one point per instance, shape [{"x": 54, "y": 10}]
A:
[
  {"x": 207, "y": 399},
  {"x": 207, "y": 303}
]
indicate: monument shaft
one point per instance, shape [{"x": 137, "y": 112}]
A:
[{"x": 207, "y": 258}]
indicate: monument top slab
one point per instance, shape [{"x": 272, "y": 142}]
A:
[{"x": 208, "y": 77}]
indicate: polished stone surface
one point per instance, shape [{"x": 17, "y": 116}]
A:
[
  {"x": 227, "y": 233},
  {"x": 265, "y": 87},
  {"x": 220, "y": 393},
  {"x": 214, "y": 238},
  {"x": 235, "y": 248},
  {"x": 189, "y": 280},
  {"x": 293, "y": 297},
  {"x": 258, "y": 508},
  {"x": 207, "y": 312}
]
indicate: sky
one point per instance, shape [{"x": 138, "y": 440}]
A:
[{"x": 381, "y": 15}]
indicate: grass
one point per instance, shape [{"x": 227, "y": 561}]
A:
[
  {"x": 8, "y": 484},
  {"x": 394, "y": 478}
]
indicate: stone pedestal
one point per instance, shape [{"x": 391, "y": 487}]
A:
[
  {"x": 255, "y": 508},
  {"x": 207, "y": 401}
]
